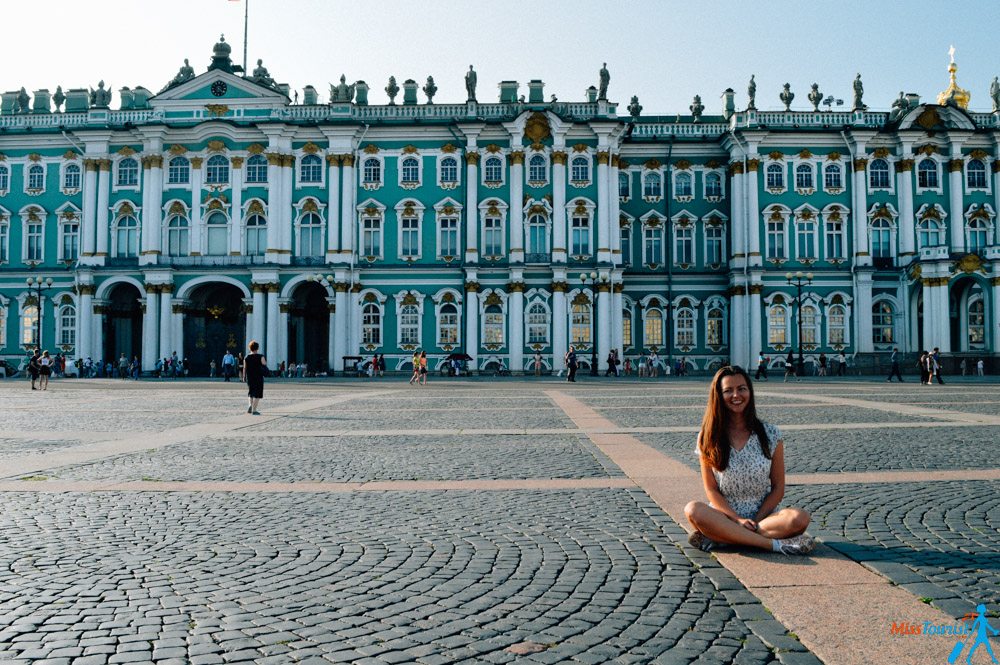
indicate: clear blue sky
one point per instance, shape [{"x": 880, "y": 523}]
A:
[{"x": 666, "y": 52}]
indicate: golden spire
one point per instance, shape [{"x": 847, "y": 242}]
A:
[{"x": 954, "y": 95}]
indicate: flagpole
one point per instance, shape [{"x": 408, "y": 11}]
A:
[{"x": 246, "y": 16}]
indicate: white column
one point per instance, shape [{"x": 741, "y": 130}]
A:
[
  {"x": 332, "y": 215},
  {"x": 993, "y": 320},
  {"x": 515, "y": 306},
  {"x": 85, "y": 322},
  {"x": 956, "y": 224},
  {"x": 348, "y": 220},
  {"x": 274, "y": 202},
  {"x": 103, "y": 208},
  {"x": 615, "y": 212},
  {"x": 146, "y": 224},
  {"x": 197, "y": 235},
  {"x": 739, "y": 222},
  {"x": 472, "y": 327},
  {"x": 517, "y": 205},
  {"x": 617, "y": 338},
  {"x": 283, "y": 337},
  {"x": 166, "y": 344},
  {"x": 559, "y": 211},
  {"x": 471, "y": 208},
  {"x": 331, "y": 344},
  {"x": 753, "y": 211},
  {"x": 863, "y": 312},
  {"x": 756, "y": 312},
  {"x": 559, "y": 325},
  {"x": 177, "y": 334},
  {"x": 354, "y": 324},
  {"x": 151, "y": 328},
  {"x": 907, "y": 224},
  {"x": 89, "y": 229},
  {"x": 739, "y": 354},
  {"x": 943, "y": 319},
  {"x": 862, "y": 254},
  {"x": 340, "y": 334},
  {"x": 285, "y": 212},
  {"x": 603, "y": 209},
  {"x": 603, "y": 325},
  {"x": 236, "y": 212},
  {"x": 154, "y": 213},
  {"x": 271, "y": 346},
  {"x": 259, "y": 313},
  {"x": 996, "y": 222},
  {"x": 930, "y": 314},
  {"x": 97, "y": 332}
]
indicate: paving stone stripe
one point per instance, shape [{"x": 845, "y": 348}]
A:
[{"x": 915, "y": 411}]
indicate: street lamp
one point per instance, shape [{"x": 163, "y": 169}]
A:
[
  {"x": 594, "y": 280},
  {"x": 798, "y": 280},
  {"x": 35, "y": 287}
]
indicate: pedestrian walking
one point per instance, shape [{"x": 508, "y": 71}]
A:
[
  {"x": 627, "y": 367},
  {"x": 571, "y": 365},
  {"x": 894, "y": 366},
  {"x": 841, "y": 364},
  {"x": 643, "y": 365},
  {"x": 373, "y": 367},
  {"x": 922, "y": 366},
  {"x": 761, "y": 367},
  {"x": 134, "y": 368},
  {"x": 228, "y": 365},
  {"x": 34, "y": 367},
  {"x": 822, "y": 364},
  {"x": 44, "y": 370},
  {"x": 962, "y": 366},
  {"x": 423, "y": 368},
  {"x": 381, "y": 365},
  {"x": 254, "y": 366},
  {"x": 980, "y": 367},
  {"x": 654, "y": 364},
  {"x": 538, "y": 363},
  {"x": 789, "y": 366},
  {"x": 936, "y": 357},
  {"x": 211, "y": 369},
  {"x": 416, "y": 368}
]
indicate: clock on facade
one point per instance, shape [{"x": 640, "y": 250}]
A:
[{"x": 219, "y": 88}]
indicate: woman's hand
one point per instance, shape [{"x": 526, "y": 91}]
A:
[{"x": 748, "y": 524}]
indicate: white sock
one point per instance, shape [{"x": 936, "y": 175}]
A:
[{"x": 775, "y": 545}]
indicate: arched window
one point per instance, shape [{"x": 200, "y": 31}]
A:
[
  {"x": 71, "y": 177},
  {"x": 217, "y": 171},
  {"x": 810, "y": 325},
  {"x": 4, "y": 179},
  {"x": 448, "y": 236},
  {"x": 311, "y": 170},
  {"x": 833, "y": 177},
  {"x": 411, "y": 170},
  {"x": 777, "y": 323},
  {"x": 128, "y": 172},
  {"x": 775, "y": 176},
  {"x": 837, "y": 318},
  {"x": 36, "y": 177},
  {"x": 217, "y": 229},
  {"x": 580, "y": 169},
  {"x": 975, "y": 174},
  {"x": 927, "y": 173},
  {"x": 371, "y": 325},
  {"x": 127, "y": 237},
  {"x": 256, "y": 236},
  {"x": 624, "y": 186},
  {"x": 449, "y": 170},
  {"x": 179, "y": 171},
  {"x": 371, "y": 236},
  {"x": 493, "y": 170},
  {"x": 310, "y": 235},
  {"x": 979, "y": 234},
  {"x": 652, "y": 185},
  {"x": 538, "y": 324},
  {"x": 977, "y": 324},
  {"x": 29, "y": 326},
  {"x": 715, "y": 325},
  {"x": 803, "y": 176},
  {"x": 448, "y": 325},
  {"x": 682, "y": 184},
  {"x": 409, "y": 325},
  {"x": 929, "y": 233},
  {"x": 178, "y": 236},
  {"x": 256, "y": 170},
  {"x": 580, "y": 324},
  {"x": 493, "y": 325},
  {"x": 878, "y": 174},
  {"x": 882, "y": 328},
  {"x": 4, "y": 244},
  {"x": 684, "y": 333},
  {"x": 652, "y": 329},
  {"x": 625, "y": 233},
  {"x": 538, "y": 241},
  {"x": 713, "y": 185},
  {"x": 67, "y": 325},
  {"x": 881, "y": 238},
  {"x": 536, "y": 169},
  {"x": 372, "y": 171}
]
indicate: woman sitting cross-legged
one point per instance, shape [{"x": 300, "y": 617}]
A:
[{"x": 743, "y": 471}]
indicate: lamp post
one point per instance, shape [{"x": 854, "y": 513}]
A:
[
  {"x": 798, "y": 280},
  {"x": 35, "y": 286},
  {"x": 593, "y": 281}
]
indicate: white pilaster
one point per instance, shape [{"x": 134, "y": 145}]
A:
[
  {"x": 332, "y": 217},
  {"x": 472, "y": 327},
  {"x": 739, "y": 351},
  {"x": 282, "y": 354},
  {"x": 331, "y": 346},
  {"x": 259, "y": 313},
  {"x": 930, "y": 315},
  {"x": 515, "y": 305},
  {"x": 516, "y": 202},
  {"x": 739, "y": 220},
  {"x": 274, "y": 202},
  {"x": 236, "y": 212},
  {"x": 614, "y": 228},
  {"x": 956, "y": 221},
  {"x": 753, "y": 211},
  {"x": 271, "y": 346},
  {"x": 942, "y": 321},
  {"x": 863, "y": 311},
  {"x": 471, "y": 205},
  {"x": 862, "y": 253},
  {"x": 756, "y": 313},
  {"x": 995, "y": 310},
  {"x": 88, "y": 232},
  {"x": 603, "y": 325},
  {"x": 177, "y": 333},
  {"x": 150, "y": 329},
  {"x": 603, "y": 209},
  {"x": 348, "y": 219},
  {"x": 166, "y": 343},
  {"x": 97, "y": 332},
  {"x": 197, "y": 235},
  {"x": 617, "y": 305},
  {"x": 285, "y": 211},
  {"x": 103, "y": 209},
  {"x": 560, "y": 325},
  {"x": 907, "y": 223},
  {"x": 559, "y": 209},
  {"x": 340, "y": 328},
  {"x": 85, "y": 323}
]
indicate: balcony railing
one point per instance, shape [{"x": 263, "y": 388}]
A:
[{"x": 210, "y": 261}]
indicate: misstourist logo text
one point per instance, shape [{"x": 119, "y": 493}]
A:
[{"x": 970, "y": 632}]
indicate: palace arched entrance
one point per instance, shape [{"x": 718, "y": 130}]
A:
[
  {"x": 309, "y": 327},
  {"x": 214, "y": 321},
  {"x": 122, "y": 323}
]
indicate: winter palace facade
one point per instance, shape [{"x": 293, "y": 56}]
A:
[{"x": 223, "y": 209}]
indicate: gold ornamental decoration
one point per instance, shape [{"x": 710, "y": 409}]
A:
[
  {"x": 558, "y": 157},
  {"x": 370, "y": 149},
  {"x": 217, "y": 110},
  {"x": 580, "y": 147},
  {"x": 177, "y": 149},
  {"x": 652, "y": 164},
  {"x": 833, "y": 156},
  {"x": 70, "y": 155},
  {"x": 970, "y": 263},
  {"x": 126, "y": 151},
  {"x": 683, "y": 164},
  {"x": 537, "y": 128},
  {"x": 255, "y": 208},
  {"x": 177, "y": 208},
  {"x": 775, "y": 156},
  {"x": 927, "y": 150},
  {"x": 196, "y": 162},
  {"x": 448, "y": 148},
  {"x": 310, "y": 206},
  {"x": 215, "y": 310},
  {"x": 978, "y": 154},
  {"x": 493, "y": 299},
  {"x": 409, "y": 299},
  {"x": 904, "y": 165},
  {"x": 34, "y": 157},
  {"x": 805, "y": 154},
  {"x": 310, "y": 148},
  {"x": 126, "y": 209},
  {"x": 255, "y": 149},
  {"x": 409, "y": 149},
  {"x": 880, "y": 153},
  {"x": 237, "y": 162},
  {"x": 493, "y": 147}
]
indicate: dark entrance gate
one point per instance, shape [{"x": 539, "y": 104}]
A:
[
  {"x": 213, "y": 322},
  {"x": 122, "y": 324},
  {"x": 309, "y": 327}
]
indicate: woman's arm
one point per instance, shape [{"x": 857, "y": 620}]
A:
[
  {"x": 714, "y": 495},
  {"x": 777, "y": 492}
]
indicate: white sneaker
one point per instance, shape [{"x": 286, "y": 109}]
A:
[
  {"x": 801, "y": 544},
  {"x": 701, "y": 541}
]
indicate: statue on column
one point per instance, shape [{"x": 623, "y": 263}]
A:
[
  {"x": 100, "y": 98},
  {"x": 261, "y": 75},
  {"x": 634, "y": 107},
  {"x": 815, "y": 97},
  {"x": 859, "y": 91},
  {"x": 430, "y": 89},
  {"x": 787, "y": 96},
  {"x": 58, "y": 98},
  {"x": 342, "y": 92},
  {"x": 995, "y": 94},
  {"x": 22, "y": 101},
  {"x": 602, "y": 90},
  {"x": 470, "y": 84},
  {"x": 752, "y": 94},
  {"x": 697, "y": 108},
  {"x": 392, "y": 90}
]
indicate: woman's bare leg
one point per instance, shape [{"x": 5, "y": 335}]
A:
[
  {"x": 785, "y": 523},
  {"x": 716, "y": 526}
]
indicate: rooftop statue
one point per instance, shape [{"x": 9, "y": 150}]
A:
[
  {"x": 185, "y": 73},
  {"x": 602, "y": 89},
  {"x": 995, "y": 94},
  {"x": 634, "y": 107},
  {"x": 859, "y": 91},
  {"x": 22, "y": 101},
  {"x": 815, "y": 96},
  {"x": 697, "y": 108},
  {"x": 392, "y": 90},
  {"x": 899, "y": 106},
  {"x": 752, "y": 94},
  {"x": 430, "y": 89},
  {"x": 59, "y": 97},
  {"x": 470, "y": 84},
  {"x": 100, "y": 98},
  {"x": 787, "y": 96},
  {"x": 261, "y": 75},
  {"x": 342, "y": 92}
]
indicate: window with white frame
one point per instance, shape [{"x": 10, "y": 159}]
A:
[
  {"x": 3, "y": 326},
  {"x": 311, "y": 170},
  {"x": 713, "y": 185},
  {"x": 834, "y": 236},
  {"x": 878, "y": 174},
  {"x": 371, "y": 325},
  {"x": 256, "y": 235},
  {"x": 804, "y": 177},
  {"x": 447, "y": 325},
  {"x": 409, "y": 237},
  {"x": 29, "y": 326},
  {"x": 178, "y": 236},
  {"x": 36, "y": 178},
  {"x": 624, "y": 185},
  {"x": 837, "y": 325},
  {"x": 538, "y": 236},
  {"x": 310, "y": 235},
  {"x": 580, "y": 226},
  {"x": 975, "y": 174},
  {"x": 538, "y": 324},
  {"x": 493, "y": 236},
  {"x": 371, "y": 171},
  {"x": 410, "y": 169},
  {"x": 977, "y": 323},
  {"x": 810, "y": 324},
  {"x": 684, "y": 330},
  {"x": 217, "y": 233},
  {"x": 683, "y": 185},
  {"x": 34, "y": 244},
  {"x": 537, "y": 171},
  {"x": 977, "y": 235},
  {"x": 448, "y": 236},
  {"x": 775, "y": 176},
  {"x": 805, "y": 238},
  {"x": 67, "y": 325},
  {"x": 127, "y": 237},
  {"x": 652, "y": 185},
  {"x": 179, "y": 171},
  {"x": 580, "y": 323},
  {"x": 4, "y": 178},
  {"x": 71, "y": 176},
  {"x": 626, "y": 244},
  {"x": 371, "y": 236},
  {"x": 493, "y": 325},
  {"x": 4, "y": 240},
  {"x": 833, "y": 177},
  {"x": 927, "y": 174},
  {"x": 626, "y": 328},
  {"x": 715, "y": 235},
  {"x": 69, "y": 247},
  {"x": 652, "y": 238},
  {"x": 580, "y": 170},
  {"x": 882, "y": 326},
  {"x": 255, "y": 170},
  {"x": 777, "y": 323},
  {"x": 881, "y": 243},
  {"x": 776, "y": 238},
  {"x": 652, "y": 328},
  {"x": 217, "y": 170},
  {"x": 128, "y": 172},
  {"x": 449, "y": 171},
  {"x": 715, "y": 326},
  {"x": 409, "y": 325},
  {"x": 493, "y": 170},
  {"x": 929, "y": 233}
]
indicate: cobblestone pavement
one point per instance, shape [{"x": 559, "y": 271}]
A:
[{"x": 420, "y": 575}]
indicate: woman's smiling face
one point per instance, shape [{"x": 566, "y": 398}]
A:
[{"x": 735, "y": 393}]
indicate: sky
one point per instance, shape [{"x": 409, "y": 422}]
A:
[{"x": 663, "y": 51}]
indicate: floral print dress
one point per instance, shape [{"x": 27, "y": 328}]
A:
[{"x": 747, "y": 480}]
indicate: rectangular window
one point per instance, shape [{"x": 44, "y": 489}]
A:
[
  {"x": 581, "y": 236},
  {"x": 71, "y": 242},
  {"x": 449, "y": 237},
  {"x": 371, "y": 236},
  {"x": 832, "y": 178},
  {"x": 448, "y": 332},
  {"x": 713, "y": 245},
  {"x": 775, "y": 240},
  {"x": 409, "y": 325},
  {"x": 683, "y": 245},
  {"x": 580, "y": 332},
  {"x": 834, "y": 240},
  {"x": 806, "y": 240},
  {"x": 4, "y": 243},
  {"x": 34, "y": 241},
  {"x": 626, "y": 242},
  {"x": 493, "y": 237},
  {"x": 653, "y": 239},
  {"x": 837, "y": 329},
  {"x": 410, "y": 237},
  {"x": 493, "y": 328},
  {"x": 626, "y": 328},
  {"x": 653, "y": 329},
  {"x": 776, "y": 326}
]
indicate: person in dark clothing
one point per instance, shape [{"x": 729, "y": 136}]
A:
[
  {"x": 936, "y": 355},
  {"x": 571, "y": 365},
  {"x": 34, "y": 367},
  {"x": 894, "y": 371},
  {"x": 253, "y": 374}
]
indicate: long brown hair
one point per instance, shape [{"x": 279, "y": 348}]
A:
[{"x": 713, "y": 439}]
